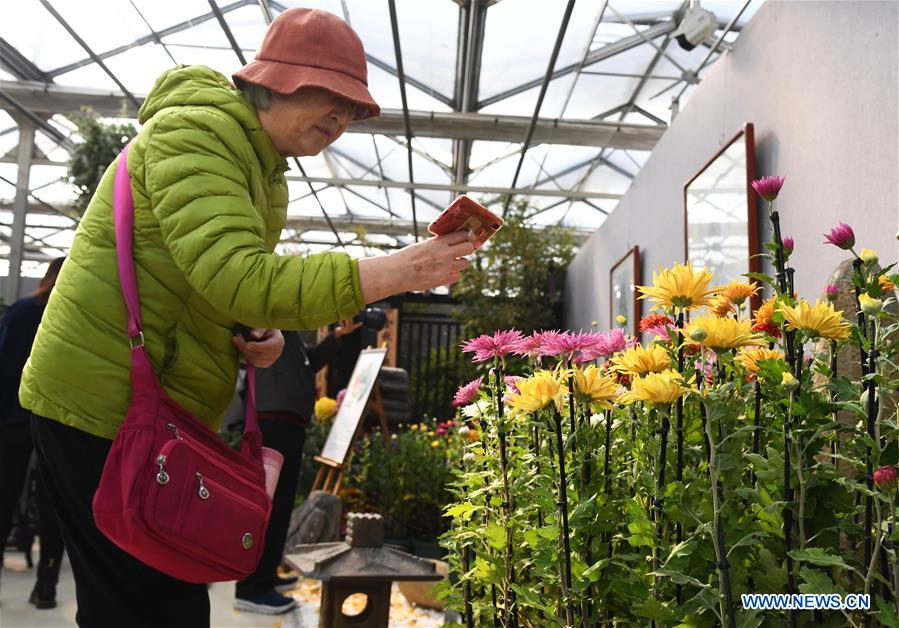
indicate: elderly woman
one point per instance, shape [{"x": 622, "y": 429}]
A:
[{"x": 210, "y": 198}]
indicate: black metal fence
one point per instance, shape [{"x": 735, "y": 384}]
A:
[{"x": 428, "y": 348}]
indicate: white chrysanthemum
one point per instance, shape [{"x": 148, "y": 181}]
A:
[{"x": 476, "y": 409}]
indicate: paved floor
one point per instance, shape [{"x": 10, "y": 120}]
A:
[{"x": 16, "y": 582}]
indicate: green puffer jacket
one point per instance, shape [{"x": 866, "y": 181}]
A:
[{"x": 210, "y": 201}]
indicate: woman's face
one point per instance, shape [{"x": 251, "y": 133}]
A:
[{"x": 305, "y": 122}]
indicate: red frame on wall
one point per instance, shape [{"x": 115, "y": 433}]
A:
[{"x": 752, "y": 225}]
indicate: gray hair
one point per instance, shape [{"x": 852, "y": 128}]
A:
[{"x": 257, "y": 95}]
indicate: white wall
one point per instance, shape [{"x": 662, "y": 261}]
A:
[{"x": 819, "y": 82}]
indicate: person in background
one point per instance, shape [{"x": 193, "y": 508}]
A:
[
  {"x": 210, "y": 202},
  {"x": 17, "y": 329},
  {"x": 285, "y": 399}
]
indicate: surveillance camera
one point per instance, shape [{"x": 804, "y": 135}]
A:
[{"x": 696, "y": 25}]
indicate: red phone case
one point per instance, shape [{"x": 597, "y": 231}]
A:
[{"x": 464, "y": 213}]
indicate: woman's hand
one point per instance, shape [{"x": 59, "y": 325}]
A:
[
  {"x": 433, "y": 262},
  {"x": 263, "y": 347}
]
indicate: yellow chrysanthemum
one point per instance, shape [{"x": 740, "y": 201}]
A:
[
  {"x": 637, "y": 360},
  {"x": 680, "y": 287},
  {"x": 738, "y": 291},
  {"x": 664, "y": 387},
  {"x": 763, "y": 315},
  {"x": 721, "y": 306},
  {"x": 537, "y": 392},
  {"x": 869, "y": 304},
  {"x": 724, "y": 333},
  {"x": 601, "y": 389},
  {"x": 325, "y": 407},
  {"x": 750, "y": 357},
  {"x": 819, "y": 321},
  {"x": 885, "y": 284}
]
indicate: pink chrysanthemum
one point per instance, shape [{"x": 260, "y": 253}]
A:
[
  {"x": 841, "y": 236},
  {"x": 512, "y": 383},
  {"x": 467, "y": 393},
  {"x": 567, "y": 344},
  {"x": 530, "y": 345},
  {"x": 885, "y": 476},
  {"x": 768, "y": 187},
  {"x": 487, "y": 347}
]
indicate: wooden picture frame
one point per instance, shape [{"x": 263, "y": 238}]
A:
[
  {"x": 352, "y": 408},
  {"x": 626, "y": 272},
  {"x": 721, "y": 224}
]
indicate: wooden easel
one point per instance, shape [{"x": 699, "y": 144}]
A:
[{"x": 329, "y": 476}]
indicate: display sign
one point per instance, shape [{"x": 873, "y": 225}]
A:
[{"x": 353, "y": 406}]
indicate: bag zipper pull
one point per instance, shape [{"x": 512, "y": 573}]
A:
[
  {"x": 162, "y": 477},
  {"x": 203, "y": 492},
  {"x": 174, "y": 429}
]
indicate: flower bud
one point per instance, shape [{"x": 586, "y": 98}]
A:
[
  {"x": 789, "y": 382},
  {"x": 469, "y": 457},
  {"x": 885, "y": 477},
  {"x": 831, "y": 292},
  {"x": 788, "y": 245},
  {"x": 699, "y": 334},
  {"x": 870, "y": 305},
  {"x": 621, "y": 319},
  {"x": 868, "y": 256},
  {"x": 863, "y": 398},
  {"x": 464, "y": 431}
]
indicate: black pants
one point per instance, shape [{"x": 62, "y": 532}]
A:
[
  {"x": 15, "y": 454},
  {"x": 287, "y": 437},
  {"x": 112, "y": 588}
]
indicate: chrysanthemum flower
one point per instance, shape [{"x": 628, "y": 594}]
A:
[
  {"x": 605, "y": 344},
  {"x": 738, "y": 291},
  {"x": 886, "y": 285},
  {"x": 567, "y": 344},
  {"x": 886, "y": 476},
  {"x": 325, "y": 408},
  {"x": 841, "y": 236},
  {"x": 679, "y": 287},
  {"x": 637, "y": 360},
  {"x": 487, "y": 347},
  {"x": 749, "y": 358},
  {"x": 652, "y": 321},
  {"x": 820, "y": 321},
  {"x": 467, "y": 392},
  {"x": 831, "y": 292},
  {"x": 537, "y": 392},
  {"x": 600, "y": 389},
  {"x": 868, "y": 256},
  {"x": 721, "y": 306},
  {"x": 724, "y": 333},
  {"x": 664, "y": 387},
  {"x": 788, "y": 244},
  {"x": 768, "y": 187},
  {"x": 763, "y": 318}
]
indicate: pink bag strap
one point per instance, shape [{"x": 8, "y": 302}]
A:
[{"x": 123, "y": 217}]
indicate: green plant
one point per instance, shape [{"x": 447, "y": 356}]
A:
[
  {"x": 405, "y": 478},
  {"x": 103, "y": 141}
]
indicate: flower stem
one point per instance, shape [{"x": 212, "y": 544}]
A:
[
  {"x": 679, "y": 413},
  {"x": 510, "y": 610},
  {"x": 725, "y": 595},
  {"x": 563, "y": 514}
]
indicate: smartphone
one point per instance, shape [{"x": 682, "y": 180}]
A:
[{"x": 465, "y": 214}]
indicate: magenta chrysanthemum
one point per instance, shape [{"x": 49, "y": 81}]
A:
[
  {"x": 512, "y": 383},
  {"x": 841, "y": 236},
  {"x": 788, "y": 245},
  {"x": 467, "y": 393},
  {"x": 487, "y": 347},
  {"x": 768, "y": 187},
  {"x": 530, "y": 345},
  {"x": 568, "y": 344}
]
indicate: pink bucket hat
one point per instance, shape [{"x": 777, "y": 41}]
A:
[{"x": 312, "y": 48}]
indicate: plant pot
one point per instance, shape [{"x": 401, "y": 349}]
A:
[{"x": 422, "y": 593}]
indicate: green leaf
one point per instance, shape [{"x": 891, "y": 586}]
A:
[
  {"x": 496, "y": 535},
  {"x": 583, "y": 513},
  {"x": 815, "y": 581},
  {"x": 749, "y": 619},
  {"x": 820, "y": 557},
  {"x": 760, "y": 277},
  {"x": 885, "y": 613},
  {"x": 462, "y": 510}
]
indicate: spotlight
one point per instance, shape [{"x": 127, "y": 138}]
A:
[{"x": 696, "y": 25}]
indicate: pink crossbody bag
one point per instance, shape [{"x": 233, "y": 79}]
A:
[{"x": 173, "y": 494}]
